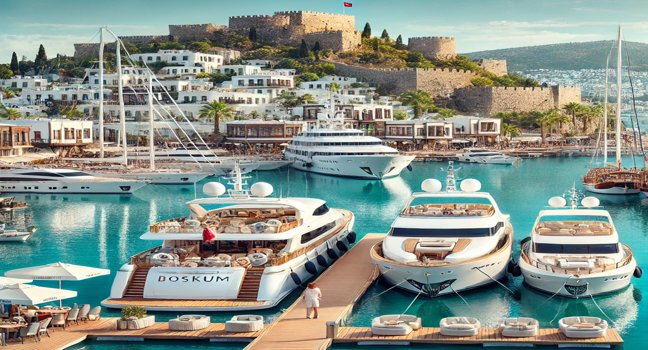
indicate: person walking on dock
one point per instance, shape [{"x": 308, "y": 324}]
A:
[{"x": 312, "y": 296}]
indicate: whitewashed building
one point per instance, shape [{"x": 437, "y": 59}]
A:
[
  {"x": 186, "y": 58},
  {"x": 26, "y": 82},
  {"x": 57, "y": 132},
  {"x": 239, "y": 69},
  {"x": 476, "y": 129},
  {"x": 423, "y": 132}
]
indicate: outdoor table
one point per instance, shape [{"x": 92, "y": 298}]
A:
[{"x": 8, "y": 328}]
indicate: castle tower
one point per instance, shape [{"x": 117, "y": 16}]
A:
[{"x": 434, "y": 47}]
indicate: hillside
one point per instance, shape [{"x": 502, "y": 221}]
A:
[{"x": 584, "y": 55}]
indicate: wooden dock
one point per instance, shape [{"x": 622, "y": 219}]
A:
[
  {"x": 342, "y": 285},
  {"x": 186, "y": 305},
  {"x": 106, "y": 329},
  {"x": 486, "y": 337}
]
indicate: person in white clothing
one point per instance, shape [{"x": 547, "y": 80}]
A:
[{"x": 312, "y": 296}]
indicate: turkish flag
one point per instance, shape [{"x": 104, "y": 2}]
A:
[
  {"x": 348, "y": 4},
  {"x": 208, "y": 234}
]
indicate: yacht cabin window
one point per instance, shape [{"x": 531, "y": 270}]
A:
[
  {"x": 453, "y": 232},
  {"x": 321, "y": 210},
  {"x": 309, "y": 236},
  {"x": 550, "y": 248}
]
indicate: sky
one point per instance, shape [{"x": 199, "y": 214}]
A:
[{"x": 476, "y": 24}]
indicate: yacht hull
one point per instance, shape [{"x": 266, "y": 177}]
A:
[
  {"x": 81, "y": 187},
  {"x": 275, "y": 285},
  {"x": 487, "y": 161},
  {"x": 362, "y": 167},
  {"x": 14, "y": 236},
  {"x": 158, "y": 178},
  {"x": 577, "y": 287},
  {"x": 434, "y": 281},
  {"x": 611, "y": 190}
]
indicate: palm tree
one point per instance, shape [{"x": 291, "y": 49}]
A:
[
  {"x": 417, "y": 99},
  {"x": 216, "y": 110},
  {"x": 13, "y": 114},
  {"x": 288, "y": 100},
  {"x": 544, "y": 119},
  {"x": 573, "y": 109},
  {"x": 307, "y": 99},
  {"x": 509, "y": 131}
]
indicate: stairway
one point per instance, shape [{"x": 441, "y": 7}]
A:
[
  {"x": 135, "y": 287},
  {"x": 250, "y": 287}
]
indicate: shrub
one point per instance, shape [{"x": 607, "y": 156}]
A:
[{"x": 133, "y": 311}]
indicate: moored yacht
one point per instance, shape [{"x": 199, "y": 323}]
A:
[
  {"x": 575, "y": 251},
  {"x": 345, "y": 152},
  {"x": 240, "y": 251},
  {"x": 44, "y": 180},
  {"x": 485, "y": 156},
  {"x": 444, "y": 242}
]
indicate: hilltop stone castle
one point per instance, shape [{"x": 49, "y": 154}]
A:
[{"x": 333, "y": 31}]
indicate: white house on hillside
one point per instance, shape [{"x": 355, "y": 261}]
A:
[{"x": 186, "y": 58}]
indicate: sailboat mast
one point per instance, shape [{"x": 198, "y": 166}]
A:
[
  {"x": 101, "y": 96},
  {"x": 605, "y": 112},
  {"x": 120, "y": 93},
  {"x": 151, "y": 122},
  {"x": 618, "y": 101}
]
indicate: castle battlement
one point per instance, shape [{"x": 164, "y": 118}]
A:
[
  {"x": 432, "y": 38},
  {"x": 434, "y": 47},
  {"x": 251, "y": 17}
]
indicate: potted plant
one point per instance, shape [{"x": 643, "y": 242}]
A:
[{"x": 134, "y": 317}]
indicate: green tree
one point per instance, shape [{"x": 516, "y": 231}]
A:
[
  {"x": 71, "y": 112},
  {"x": 15, "y": 68},
  {"x": 252, "y": 35},
  {"x": 399, "y": 42},
  {"x": 419, "y": 101},
  {"x": 334, "y": 87},
  {"x": 13, "y": 114},
  {"x": 375, "y": 44},
  {"x": 303, "y": 49},
  {"x": 574, "y": 109},
  {"x": 509, "y": 131},
  {"x": 288, "y": 100},
  {"x": 317, "y": 46},
  {"x": 366, "y": 32},
  {"x": 5, "y": 72},
  {"x": 308, "y": 76},
  {"x": 199, "y": 46},
  {"x": 41, "y": 59},
  {"x": 306, "y": 99},
  {"x": 216, "y": 111},
  {"x": 384, "y": 35},
  {"x": 400, "y": 115}
]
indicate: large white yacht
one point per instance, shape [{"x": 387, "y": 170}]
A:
[
  {"x": 345, "y": 152},
  {"x": 485, "y": 156},
  {"x": 575, "y": 251},
  {"x": 444, "y": 242},
  {"x": 239, "y": 251},
  {"x": 44, "y": 180}
]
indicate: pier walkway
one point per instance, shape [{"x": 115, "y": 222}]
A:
[
  {"x": 106, "y": 329},
  {"x": 486, "y": 337},
  {"x": 342, "y": 285}
]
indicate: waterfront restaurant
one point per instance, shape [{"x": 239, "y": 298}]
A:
[
  {"x": 419, "y": 133},
  {"x": 255, "y": 132},
  {"x": 478, "y": 130},
  {"x": 13, "y": 139}
]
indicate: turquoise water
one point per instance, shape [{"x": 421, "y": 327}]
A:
[{"x": 103, "y": 231}]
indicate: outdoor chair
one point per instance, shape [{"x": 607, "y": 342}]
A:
[
  {"x": 30, "y": 331},
  {"x": 83, "y": 313},
  {"x": 43, "y": 326},
  {"x": 59, "y": 320},
  {"x": 73, "y": 316},
  {"x": 94, "y": 314}
]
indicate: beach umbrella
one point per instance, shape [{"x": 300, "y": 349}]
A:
[
  {"x": 7, "y": 281},
  {"x": 58, "y": 271},
  {"x": 27, "y": 294}
]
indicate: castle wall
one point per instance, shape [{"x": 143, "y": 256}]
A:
[
  {"x": 489, "y": 100},
  {"x": 336, "y": 41},
  {"x": 194, "y": 32},
  {"x": 497, "y": 67},
  {"x": 438, "y": 82},
  {"x": 436, "y": 48}
]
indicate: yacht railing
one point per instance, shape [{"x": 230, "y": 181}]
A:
[{"x": 579, "y": 271}]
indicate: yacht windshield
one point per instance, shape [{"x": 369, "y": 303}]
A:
[
  {"x": 575, "y": 218},
  {"x": 443, "y": 232},
  {"x": 549, "y": 248}
]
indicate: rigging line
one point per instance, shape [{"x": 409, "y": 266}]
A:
[
  {"x": 387, "y": 290},
  {"x": 494, "y": 280},
  {"x": 410, "y": 304},
  {"x": 603, "y": 312},
  {"x": 634, "y": 107},
  {"x": 558, "y": 291},
  {"x": 459, "y": 295},
  {"x": 169, "y": 95},
  {"x": 557, "y": 312}
]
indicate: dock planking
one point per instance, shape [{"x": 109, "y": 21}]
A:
[
  {"x": 428, "y": 335},
  {"x": 106, "y": 329},
  {"x": 342, "y": 285}
]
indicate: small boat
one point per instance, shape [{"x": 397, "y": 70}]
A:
[
  {"x": 444, "y": 242},
  {"x": 59, "y": 180},
  {"x": 10, "y": 203},
  {"x": 14, "y": 235},
  {"x": 485, "y": 156},
  {"x": 575, "y": 251}
]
